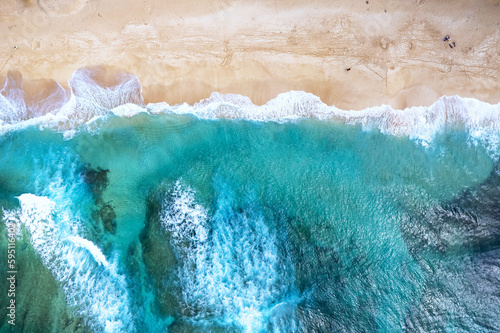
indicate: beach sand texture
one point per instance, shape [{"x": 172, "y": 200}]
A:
[{"x": 181, "y": 51}]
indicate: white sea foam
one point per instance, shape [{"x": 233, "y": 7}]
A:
[
  {"x": 417, "y": 122},
  {"x": 228, "y": 264},
  {"x": 104, "y": 88},
  {"x": 91, "y": 247},
  {"x": 91, "y": 285},
  {"x": 53, "y": 220},
  {"x": 12, "y": 105},
  {"x": 16, "y": 106},
  {"x": 97, "y": 92},
  {"x": 94, "y": 92}
]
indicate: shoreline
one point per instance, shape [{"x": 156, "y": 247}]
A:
[{"x": 182, "y": 52}]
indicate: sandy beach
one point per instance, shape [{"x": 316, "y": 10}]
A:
[{"x": 352, "y": 54}]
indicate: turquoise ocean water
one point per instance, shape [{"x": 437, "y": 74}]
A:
[{"x": 229, "y": 217}]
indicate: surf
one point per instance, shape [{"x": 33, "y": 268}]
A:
[
  {"x": 228, "y": 263},
  {"x": 99, "y": 92},
  {"x": 91, "y": 282}
]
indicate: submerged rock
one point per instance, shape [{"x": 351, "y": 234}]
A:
[
  {"x": 97, "y": 180},
  {"x": 108, "y": 218}
]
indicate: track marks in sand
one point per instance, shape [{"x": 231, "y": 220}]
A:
[{"x": 60, "y": 7}]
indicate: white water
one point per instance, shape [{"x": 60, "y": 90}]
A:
[
  {"x": 121, "y": 95},
  {"x": 91, "y": 247},
  {"x": 15, "y": 106},
  {"x": 228, "y": 264},
  {"x": 91, "y": 285}
]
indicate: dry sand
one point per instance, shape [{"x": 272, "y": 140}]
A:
[{"x": 181, "y": 51}]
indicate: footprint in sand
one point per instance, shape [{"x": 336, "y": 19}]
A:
[{"x": 221, "y": 5}]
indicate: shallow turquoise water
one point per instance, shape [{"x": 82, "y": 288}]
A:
[{"x": 171, "y": 222}]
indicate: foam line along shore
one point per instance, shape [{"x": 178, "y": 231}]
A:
[{"x": 97, "y": 92}]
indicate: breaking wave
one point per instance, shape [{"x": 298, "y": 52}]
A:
[
  {"x": 229, "y": 268},
  {"x": 91, "y": 283},
  {"x": 96, "y": 92}
]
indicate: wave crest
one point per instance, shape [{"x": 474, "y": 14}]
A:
[
  {"x": 90, "y": 283},
  {"x": 228, "y": 272},
  {"x": 100, "y": 91}
]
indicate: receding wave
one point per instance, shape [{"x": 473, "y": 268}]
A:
[{"x": 97, "y": 91}]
